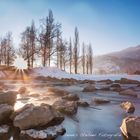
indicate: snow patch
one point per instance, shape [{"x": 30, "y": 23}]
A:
[
  {"x": 4, "y": 129},
  {"x": 42, "y": 134},
  {"x": 57, "y": 73}
]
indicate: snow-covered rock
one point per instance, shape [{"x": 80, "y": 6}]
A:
[
  {"x": 4, "y": 129},
  {"x": 50, "y": 132}
]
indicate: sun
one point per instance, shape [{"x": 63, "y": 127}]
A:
[{"x": 20, "y": 63}]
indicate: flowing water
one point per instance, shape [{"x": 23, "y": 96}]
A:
[{"x": 100, "y": 123}]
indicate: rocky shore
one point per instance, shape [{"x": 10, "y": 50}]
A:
[{"x": 44, "y": 121}]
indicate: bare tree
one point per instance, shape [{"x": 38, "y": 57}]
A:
[
  {"x": 83, "y": 57},
  {"x": 10, "y": 50},
  {"x": 0, "y": 52},
  {"x": 58, "y": 43},
  {"x": 90, "y": 54},
  {"x": 7, "y": 51},
  {"x": 70, "y": 55},
  {"x": 76, "y": 49},
  {"x": 32, "y": 37},
  {"x": 3, "y": 51},
  {"x": 47, "y": 35},
  {"x": 28, "y": 48},
  {"x": 87, "y": 63},
  {"x": 25, "y": 46},
  {"x": 89, "y": 59},
  {"x": 66, "y": 55},
  {"x": 61, "y": 54}
]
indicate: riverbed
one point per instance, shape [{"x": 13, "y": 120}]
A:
[{"x": 98, "y": 122}]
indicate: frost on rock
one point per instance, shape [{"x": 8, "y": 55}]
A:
[
  {"x": 53, "y": 131},
  {"x": 4, "y": 129}
]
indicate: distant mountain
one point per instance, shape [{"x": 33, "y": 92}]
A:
[{"x": 125, "y": 61}]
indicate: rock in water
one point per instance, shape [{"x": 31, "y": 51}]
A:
[
  {"x": 116, "y": 87},
  {"x": 8, "y": 97},
  {"x": 131, "y": 127},
  {"x": 83, "y": 103},
  {"x": 57, "y": 91},
  {"x": 107, "y": 81},
  {"x": 48, "y": 134},
  {"x": 89, "y": 88},
  {"x": 37, "y": 117},
  {"x": 127, "y": 81},
  {"x": 128, "y": 107},
  {"x": 66, "y": 107},
  {"x": 128, "y": 92},
  {"x": 101, "y": 101},
  {"x": 5, "y": 112},
  {"x": 71, "y": 97},
  {"x": 105, "y": 88},
  {"x": 86, "y": 81}
]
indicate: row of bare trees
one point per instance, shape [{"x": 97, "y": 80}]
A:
[
  {"x": 46, "y": 46},
  {"x": 7, "y": 51}
]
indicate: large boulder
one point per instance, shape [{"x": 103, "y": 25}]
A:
[
  {"x": 5, "y": 112},
  {"x": 66, "y": 107},
  {"x": 128, "y": 107},
  {"x": 37, "y": 117},
  {"x": 8, "y": 97},
  {"x": 100, "y": 101},
  {"x": 71, "y": 97},
  {"x": 131, "y": 127},
  {"x": 89, "y": 88},
  {"x": 128, "y": 92},
  {"x": 46, "y": 134},
  {"x": 20, "y": 110}
]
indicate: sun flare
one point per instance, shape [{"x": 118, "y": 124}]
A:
[{"x": 20, "y": 63}]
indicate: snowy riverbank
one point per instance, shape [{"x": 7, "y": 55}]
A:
[{"x": 57, "y": 73}]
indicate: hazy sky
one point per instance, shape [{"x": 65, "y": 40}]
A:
[{"x": 109, "y": 25}]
